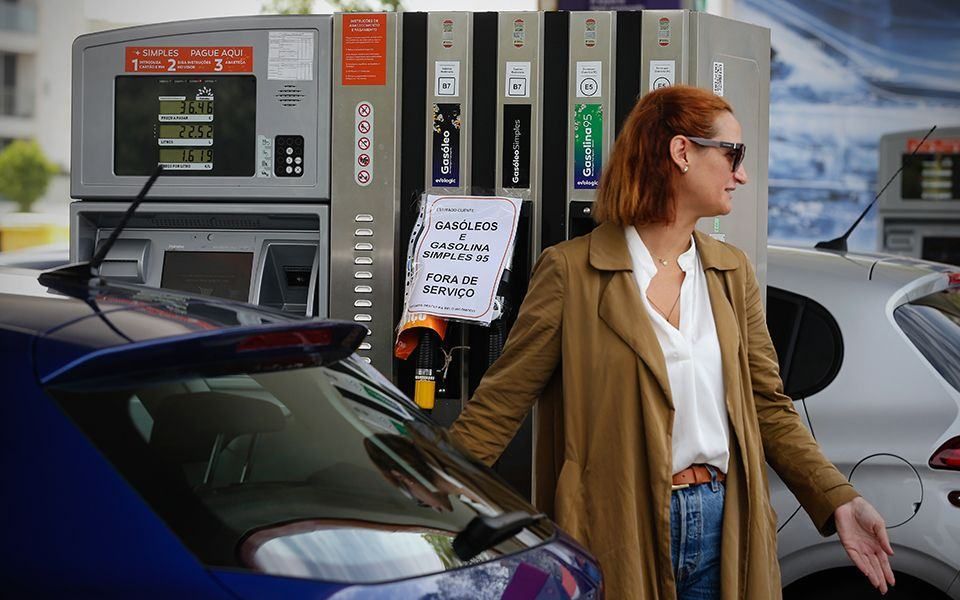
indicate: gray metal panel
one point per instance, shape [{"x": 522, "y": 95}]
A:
[
  {"x": 365, "y": 216},
  {"x": 530, "y": 50},
  {"x": 238, "y": 233},
  {"x": 741, "y": 52},
  {"x": 99, "y": 57},
  {"x": 453, "y": 45},
  {"x": 591, "y": 43},
  {"x": 695, "y": 42}
]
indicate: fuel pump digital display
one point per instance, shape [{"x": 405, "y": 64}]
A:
[
  {"x": 182, "y": 106},
  {"x": 186, "y": 132},
  {"x": 203, "y": 158},
  {"x": 931, "y": 176},
  {"x": 200, "y": 126}
]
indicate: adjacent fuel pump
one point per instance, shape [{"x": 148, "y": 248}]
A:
[{"x": 920, "y": 214}]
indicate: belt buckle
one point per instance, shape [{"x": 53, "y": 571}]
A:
[{"x": 682, "y": 486}]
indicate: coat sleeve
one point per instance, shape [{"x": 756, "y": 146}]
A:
[
  {"x": 788, "y": 445},
  {"x": 530, "y": 356}
]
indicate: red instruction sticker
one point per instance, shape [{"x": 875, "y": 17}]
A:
[
  {"x": 942, "y": 146},
  {"x": 364, "y": 46},
  {"x": 189, "y": 59}
]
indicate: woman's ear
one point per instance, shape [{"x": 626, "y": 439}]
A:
[{"x": 679, "y": 146}]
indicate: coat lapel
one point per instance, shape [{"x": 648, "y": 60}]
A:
[
  {"x": 717, "y": 259},
  {"x": 621, "y": 307}
]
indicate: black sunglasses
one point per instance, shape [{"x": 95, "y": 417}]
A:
[{"x": 739, "y": 149}]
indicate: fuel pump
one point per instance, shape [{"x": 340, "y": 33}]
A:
[
  {"x": 237, "y": 112},
  {"x": 479, "y": 78}
]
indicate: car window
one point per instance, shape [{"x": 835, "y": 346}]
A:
[
  {"x": 808, "y": 342},
  {"x": 932, "y": 324},
  {"x": 325, "y": 472}
]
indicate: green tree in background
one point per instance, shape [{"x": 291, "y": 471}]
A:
[
  {"x": 25, "y": 173},
  {"x": 305, "y": 7}
]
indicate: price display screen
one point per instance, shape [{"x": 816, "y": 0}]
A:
[
  {"x": 934, "y": 176},
  {"x": 197, "y": 126},
  {"x": 188, "y": 156},
  {"x": 182, "y": 106},
  {"x": 186, "y": 132}
]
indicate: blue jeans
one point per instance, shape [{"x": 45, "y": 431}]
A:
[{"x": 696, "y": 522}]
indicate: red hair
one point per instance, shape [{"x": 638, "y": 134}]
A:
[{"x": 637, "y": 185}]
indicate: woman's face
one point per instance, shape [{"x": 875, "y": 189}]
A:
[{"x": 706, "y": 189}]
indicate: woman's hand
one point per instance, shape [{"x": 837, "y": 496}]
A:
[{"x": 864, "y": 536}]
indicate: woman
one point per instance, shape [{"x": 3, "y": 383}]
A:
[{"x": 660, "y": 397}]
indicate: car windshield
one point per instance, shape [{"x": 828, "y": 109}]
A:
[
  {"x": 325, "y": 472},
  {"x": 933, "y": 325}
]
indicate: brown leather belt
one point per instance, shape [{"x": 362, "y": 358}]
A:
[{"x": 694, "y": 475}]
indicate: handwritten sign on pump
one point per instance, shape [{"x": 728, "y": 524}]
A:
[{"x": 464, "y": 246}]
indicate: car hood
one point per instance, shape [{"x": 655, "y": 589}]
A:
[{"x": 559, "y": 569}]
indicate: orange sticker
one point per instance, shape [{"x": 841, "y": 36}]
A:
[
  {"x": 409, "y": 337},
  {"x": 189, "y": 59},
  {"x": 364, "y": 50},
  {"x": 942, "y": 146}
]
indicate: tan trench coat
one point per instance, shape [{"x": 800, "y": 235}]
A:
[{"x": 584, "y": 347}]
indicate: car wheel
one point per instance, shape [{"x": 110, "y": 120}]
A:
[{"x": 850, "y": 584}]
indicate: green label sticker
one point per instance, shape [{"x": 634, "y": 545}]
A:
[{"x": 587, "y": 145}]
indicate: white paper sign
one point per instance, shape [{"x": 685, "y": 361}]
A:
[
  {"x": 290, "y": 56},
  {"x": 589, "y": 78},
  {"x": 447, "y": 78},
  {"x": 662, "y": 74},
  {"x": 517, "y": 84},
  {"x": 461, "y": 254}
]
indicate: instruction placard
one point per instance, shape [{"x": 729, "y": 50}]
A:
[
  {"x": 461, "y": 254},
  {"x": 364, "y": 49},
  {"x": 188, "y": 59}
]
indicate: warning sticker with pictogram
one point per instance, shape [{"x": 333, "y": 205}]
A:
[
  {"x": 362, "y": 137},
  {"x": 364, "y": 49},
  {"x": 188, "y": 59}
]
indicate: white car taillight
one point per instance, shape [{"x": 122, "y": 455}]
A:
[{"x": 947, "y": 456}]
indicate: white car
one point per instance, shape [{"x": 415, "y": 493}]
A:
[{"x": 869, "y": 348}]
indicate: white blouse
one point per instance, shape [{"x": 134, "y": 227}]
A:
[{"x": 692, "y": 354}]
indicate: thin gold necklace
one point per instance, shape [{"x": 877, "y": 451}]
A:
[{"x": 660, "y": 310}]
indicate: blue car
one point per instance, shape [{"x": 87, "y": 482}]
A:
[{"x": 159, "y": 444}]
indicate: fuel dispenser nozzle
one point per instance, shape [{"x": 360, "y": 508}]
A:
[{"x": 425, "y": 385}]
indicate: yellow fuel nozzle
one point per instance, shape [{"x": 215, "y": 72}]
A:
[{"x": 425, "y": 392}]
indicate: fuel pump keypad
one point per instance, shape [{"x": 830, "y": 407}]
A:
[{"x": 288, "y": 156}]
